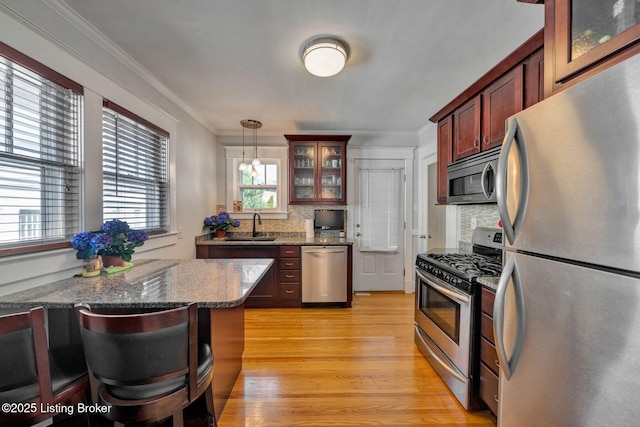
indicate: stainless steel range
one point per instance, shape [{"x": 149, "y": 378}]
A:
[{"x": 447, "y": 311}]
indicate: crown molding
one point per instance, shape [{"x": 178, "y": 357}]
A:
[{"x": 395, "y": 134}]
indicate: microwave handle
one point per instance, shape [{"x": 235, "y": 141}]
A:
[{"x": 483, "y": 180}]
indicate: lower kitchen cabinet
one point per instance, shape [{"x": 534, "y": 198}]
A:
[
  {"x": 265, "y": 293},
  {"x": 289, "y": 276},
  {"x": 489, "y": 365},
  {"x": 280, "y": 287}
]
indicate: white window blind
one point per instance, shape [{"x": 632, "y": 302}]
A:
[
  {"x": 380, "y": 209},
  {"x": 134, "y": 156},
  {"x": 39, "y": 162}
]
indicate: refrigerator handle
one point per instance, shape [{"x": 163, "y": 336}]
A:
[
  {"x": 507, "y": 365},
  {"x": 513, "y": 134}
]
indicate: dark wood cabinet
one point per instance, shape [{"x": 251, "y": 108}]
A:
[
  {"x": 289, "y": 275},
  {"x": 534, "y": 78},
  {"x": 500, "y": 100},
  {"x": 445, "y": 144},
  {"x": 489, "y": 366},
  {"x": 317, "y": 169},
  {"x": 475, "y": 120},
  {"x": 281, "y": 285},
  {"x": 585, "y": 37},
  {"x": 466, "y": 129},
  {"x": 265, "y": 293}
]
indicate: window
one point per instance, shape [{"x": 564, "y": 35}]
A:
[
  {"x": 134, "y": 157},
  {"x": 266, "y": 192},
  {"x": 39, "y": 161},
  {"x": 260, "y": 192}
]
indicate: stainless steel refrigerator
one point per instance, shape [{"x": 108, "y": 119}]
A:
[{"x": 567, "y": 310}]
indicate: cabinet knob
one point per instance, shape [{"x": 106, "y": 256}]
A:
[{"x": 475, "y": 143}]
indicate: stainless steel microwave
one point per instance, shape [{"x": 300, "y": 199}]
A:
[{"x": 473, "y": 180}]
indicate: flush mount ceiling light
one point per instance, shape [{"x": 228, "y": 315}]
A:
[{"x": 324, "y": 57}]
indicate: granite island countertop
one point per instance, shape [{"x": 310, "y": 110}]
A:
[
  {"x": 279, "y": 241},
  {"x": 212, "y": 283},
  {"x": 489, "y": 282}
]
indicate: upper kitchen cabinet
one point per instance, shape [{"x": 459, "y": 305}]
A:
[
  {"x": 583, "y": 37},
  {"x": 317, "y": 169},
  {"x": 475, "y": 120}
]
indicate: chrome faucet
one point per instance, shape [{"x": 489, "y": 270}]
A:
[{"x": 254, "y": 233}]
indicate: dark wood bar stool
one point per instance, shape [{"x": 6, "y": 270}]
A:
[
  {"x": 147, "y": 367},
  {"x": 32, "y": 377}
]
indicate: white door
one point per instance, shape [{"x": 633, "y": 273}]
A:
[{"x": 378, "y": 262}]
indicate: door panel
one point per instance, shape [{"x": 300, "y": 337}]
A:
[{"x": 379, "y": 248}]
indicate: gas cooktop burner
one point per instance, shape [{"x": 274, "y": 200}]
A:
[{"x": 472, "y": 265}]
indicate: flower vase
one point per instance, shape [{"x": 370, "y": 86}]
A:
[
  {"x": 112, "y": 261},
  {"x": 92, "y": 266},
  {"x": 221, "y": 234}
]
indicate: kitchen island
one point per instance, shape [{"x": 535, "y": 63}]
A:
[{"x": 219, "y": 286}]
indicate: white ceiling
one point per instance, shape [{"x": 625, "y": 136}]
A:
[{"x": 231, "y": 60}]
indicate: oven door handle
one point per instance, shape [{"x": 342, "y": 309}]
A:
[
  {"x": 441, "y": 362},
  {"x": 457, "y": 297}
]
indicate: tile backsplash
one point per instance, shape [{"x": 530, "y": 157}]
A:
[
  {"x": 294, "y": 224},
  {"x": 485, "y": 215}
]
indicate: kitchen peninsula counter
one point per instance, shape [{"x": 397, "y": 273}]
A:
[
  {"x": 220, "y": 283},
  {"x": 219, "y": 286}
]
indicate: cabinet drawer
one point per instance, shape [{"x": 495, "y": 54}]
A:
[
  {"x": 486, "y": 328},
  {"x": 289, "y": 263},
  {"x": 290, "y": 276},
  {"x": 489, "y": 355},
  {"x": 489, "y": 388},
  {"x": 488, "y": 298},
  {"x": 289, "y": 251},
  {"x": 289, "y": 291}
]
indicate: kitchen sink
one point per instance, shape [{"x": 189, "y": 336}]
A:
[{"x": 251, "y": 239}]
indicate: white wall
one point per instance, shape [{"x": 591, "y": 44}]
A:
[{"x": 82, "y": 55}]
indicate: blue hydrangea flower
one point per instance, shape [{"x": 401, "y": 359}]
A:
[
  {"x": 137, "y": 236},
  {"x": 235, "y": 223},
  {"x": 115, "y": 226},
  {"x": 82, "y": 240},
  {"x": 223, "y": 217},
  {"x": 210, "y": 220},
  {"x": 101, "y": 241}
]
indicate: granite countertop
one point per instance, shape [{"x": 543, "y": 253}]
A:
[
  {"x": 279, "y": 241},
  {"x": 489, "y": 282},
  {"x": 212, "y": 283}
]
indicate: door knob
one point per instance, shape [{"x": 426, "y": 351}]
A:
[
  {"x": 357, "y": 234},
  {"x": 422, "y": 236}
]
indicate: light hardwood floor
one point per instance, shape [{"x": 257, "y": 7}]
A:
[{"x": 340, "y": 367}]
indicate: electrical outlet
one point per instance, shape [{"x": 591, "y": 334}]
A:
[
  {"x": 474, "y": 223},
  {"x": 180, "y": 233}
]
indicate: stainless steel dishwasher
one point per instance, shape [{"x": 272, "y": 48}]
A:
[{"x": 324, "y": 274}]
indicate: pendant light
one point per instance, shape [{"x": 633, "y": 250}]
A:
[
  {"x": 243, "y": 166},
  {"x": 253, "y": 125}
]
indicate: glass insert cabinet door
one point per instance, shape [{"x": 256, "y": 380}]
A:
[
  {"x": 331, "y": 156},
  {"x": 588, "y": 31},
  {"x": 304, "y": 163},
  {"x": 317, "y": 169}
]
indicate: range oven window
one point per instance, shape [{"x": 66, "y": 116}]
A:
[{"x": 441, "y": 309}]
